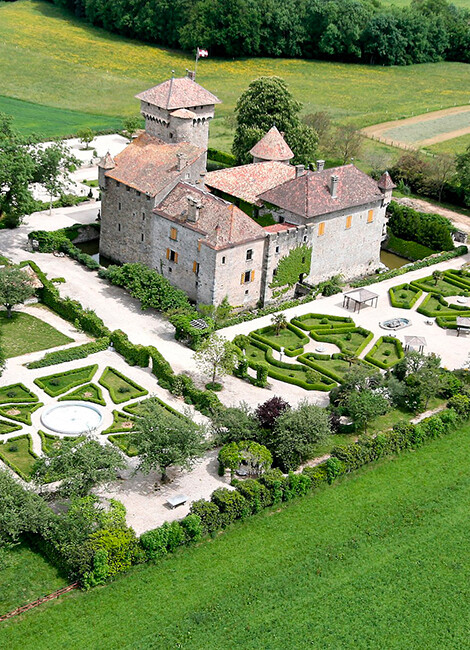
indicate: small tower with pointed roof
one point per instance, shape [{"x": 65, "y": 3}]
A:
[
  {"x": 178, "y": 110},
  {"x": 106, "y": 162},
  {"x": 386, "y": 186},
  {"x": 272, "y": 146}
]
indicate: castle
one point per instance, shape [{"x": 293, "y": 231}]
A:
[{"x": 203, "y": 230}]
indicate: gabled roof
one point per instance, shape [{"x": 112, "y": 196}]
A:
[
  {"x": 149, "y": 165},
  {"x": 272, "y": 146},
  {"x": 220, "y": 224},
  {"x": 183, "y": 114},
  {"x": 309, "y": 195},
  {"x": 249, "y": 181},
  {"x": 181, "y": 92},
  {"x": 385, "y": 182}
]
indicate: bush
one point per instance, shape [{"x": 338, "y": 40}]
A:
[
  {"x": 70, "y": 354},
  {"x": 255, "y": 494},
  {"x": 135, "y": 355},
  {"x": 208, "y": 513},
  {"x": 231, "y": 504},
  {"x": 274, "y": 481},
  {"x": 221, "y": 156},
  {"x": 192, "y": 527},
  {"x": 120, "y": 546},
  {"x": 163, "y": 540},
  {"x": 431, "y": 230}
]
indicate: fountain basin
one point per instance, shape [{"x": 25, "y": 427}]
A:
[
  {"x": 72, "y": 418},
  {"x": 393, "y": 324}
]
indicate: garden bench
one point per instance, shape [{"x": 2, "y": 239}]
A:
[{"x": 177, "y": 500}]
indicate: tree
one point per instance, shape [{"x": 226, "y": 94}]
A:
[
  {"x": 17, "y": 170},
  {"x": 268, "y": 101},
  {"x": 442, "y": 169},
  {"x": 462, "y": 166},
  {"x": 257, "y": 457},
  {"x": 436, "y": 276},
  {"x": 2, "y": 359},
  {"x": 235, "y": 423},
  {"x": 15, "y": 288},
  {"x": 131, "y": 124},
  {"x": 216, "y": 356},
  {"x": 346, "y": 143},
  {"x": 296, "y": 432},
  {"x": 268, "y": 412},
  {"x": 280, "y": 322},
  {"x": 364, "y": 405},
  {"x": 21, "y": 510},
  {"x": 80, "y": 466},
  {"x": 163, "y": 440},
  {"x": 320, "y": 122},
  {"x": 54, "y": 164},
  {"x": 86, "y": 136},
  {"x": 421, "y": 375}
]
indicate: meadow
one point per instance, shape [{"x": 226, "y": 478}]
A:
[
  {"x": 379, "y": 560},
  {"x": 415, "y": 133},
  {"x": 50, "y": 58}
]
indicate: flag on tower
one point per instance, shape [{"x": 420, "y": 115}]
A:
[{"x": 200, "y": 54}]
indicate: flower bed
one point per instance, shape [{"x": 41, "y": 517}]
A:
[
  {"x": 61, "y": 382},
  {"x": 121, "y": 422},
  {"x": 18, "y": 454},
  {"x": 20, "y": 412}
]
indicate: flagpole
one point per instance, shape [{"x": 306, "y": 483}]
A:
[{"x": 195, "y": 67}]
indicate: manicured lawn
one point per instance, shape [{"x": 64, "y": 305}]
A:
[
  {"x": 441, "y": 286},
  {"x": 17, "y": 454},
  {"x": 49, "y": 441},
  {"x": 404, "y": 296},
  {"x": 120, "y": 387},
  {"x": 25, "y": 576},
  {"x": 19, "y": 412},
  {"x": 385, "y": 353},
  {"x": 431, "y": 306},
  {"x": 8, "y": 427},
  {"x": 287, "y": 337},
  {"x": 121, "y": 422},
  {"x": 321, "y": 322},
  {"x": 23, "y": 333},
  {"x": 338, "y": 366},
  {"x": 86, "y": 393},
  {"x": 139, "y": 408},
  {"x": 60, "y": 382},
  {"x": 414, "y": 133},
  {"x": 16, "y": 393},
  {"x": 51, "y": 58},
  {"x": 121, "y": 440},
  {"x": 350, "y": 342},
  {"x": 379, "y": 560}
]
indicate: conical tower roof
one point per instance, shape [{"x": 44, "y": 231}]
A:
[
  {"x": 385, "y": 182},
  {"x": 180, "y": 92},
  {"x": 107, "y": 162},
  {"x": 272, "y": 146}
]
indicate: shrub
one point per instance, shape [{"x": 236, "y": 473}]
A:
[
  {"x": 192, "y": 527},
  {"x": 255, "y": 493},
  {"x": 208, "y": 513},
  {"x": 231, "y": 504},
  {"x": 461, "y": 405},
  {"x": 120, "y": 546},
  {"x": 274, "y": 481},
  {"x": 70, "y": 354}
]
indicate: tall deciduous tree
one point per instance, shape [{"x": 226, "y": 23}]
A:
[
  {"x": 163, "y": 440},
  {"x": 216, "y": 356},
  {"x": 267, "y": 102},
  {"x": 463, "y": 173},
  {"x": 54, "y": 164},
  {"x": 80, "y": 466},
  {"x": 15, "y": 288},
  {"x": 364, "y": 405},
  {"x": 17, "y": 171},
  {"x": 86, "y": 136},
  {"x": 346, "y": 143}
]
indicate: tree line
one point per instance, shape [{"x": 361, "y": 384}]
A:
[{"x": 341, "y": 30}]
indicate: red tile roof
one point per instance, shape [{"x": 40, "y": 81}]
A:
[
  {"x": 385, "y": 182},
  {"x": 249, "y": 181},
  {"x": 221, "y": 224},
  {"x": 279, "y": 227},
  {"x": 272, "y": 146},
  {"x": 309, "y": 195},
  {"x": 178, "y": 93},
  {"x": 149, "y": 165}
]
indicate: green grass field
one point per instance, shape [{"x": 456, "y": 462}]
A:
[
  {"x": 456, "y": 145},
  {"x": 25, "y": 576},
  {"x": 23, "y": 333},
  {"x": 379, "y": 560},
  {"x": 51, "y": 58}
]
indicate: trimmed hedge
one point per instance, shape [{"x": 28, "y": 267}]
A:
[
  {"x": 8, "y": 427},
  {"x": 381, "y": 364},
  {"x": 221, "y": 157},
  {"x": 116, "y": 396},
  {"x": 428, "y": 261},
  {"x": 53, "y": 391},
  {"x": 24, "y": 416},
  {"x": 404, "y": 303},
  {"x": 70, "y": 354},
  {"x": 12, "y": 465},
  {"x": 96, "y": 396},
  {"x": 449, "y": 310},
  {"x": 134, "y": 354},
  {"x": 334, "y": 322},
  {"x": 9, "y": 394},
  {"x": 341, "y": 344},
  {"x": 289, "y": 351}
]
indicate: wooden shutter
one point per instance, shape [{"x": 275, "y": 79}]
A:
[
  {"x": 321, "y": 228},
  {"x": 176, "y": 258},
  {"x": 348, "y": 221},
  {"x": 173, "y": 234},
  {"x": 242, "y": 279},
  {"x": 370, "y": 216},
  {"x": 167, "y": 253},
  {"x": 252, "y": 276},
  {"x": 194, "y": 267}
]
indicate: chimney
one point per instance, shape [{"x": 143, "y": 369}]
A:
[
  {"x": 320, "y": 165},
  {"x": 334, "y": 187},
  {"x": 190, "y": 74},
  {"x": 181, "y": 164},
  {"x": 194, "y": 208},
  {"x": 299, "y": 170}
]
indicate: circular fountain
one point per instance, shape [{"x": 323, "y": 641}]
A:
[
  {"x": 72, "y": 418},
  {"x": 395, "y": 324}
]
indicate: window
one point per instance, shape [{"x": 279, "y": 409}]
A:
[
  {"x": 143, "y": 216},
  {"x": 119, "y": 227},
  {"x": 348, "y": 222},
  {"x": 174, "y": 234},
  {"x": 249, "y": 254},
  {"x": 370, "y": 216},
  {"x": 137, "y": 192},
  {"x": 119, "y": 205},
  {"x": 274, "y": 272},
  {"x": 196, "y": 268},
  {"x": 281, "y": 219},
  {"x": 277, "y": 249},
  {"x": 321, "y": 228},
  {"x": 117, "y": 183},
  {"x": 171, "y": 255},
  {"x": 142, "y": 237},
  {"x": 248, "y": 276},
  {"x": 223, "y": 260},
  {"x": 246, "y": 292},
  {"x": 148, "y": 197},
  {"x": 199, "y": 246},
  {"x": 305, "y": 237},
  {"x": 303, "y": 260},
  {"x": 128, "y": 189}
]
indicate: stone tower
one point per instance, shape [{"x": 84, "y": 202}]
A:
[{"x": 178, "y": 110}]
